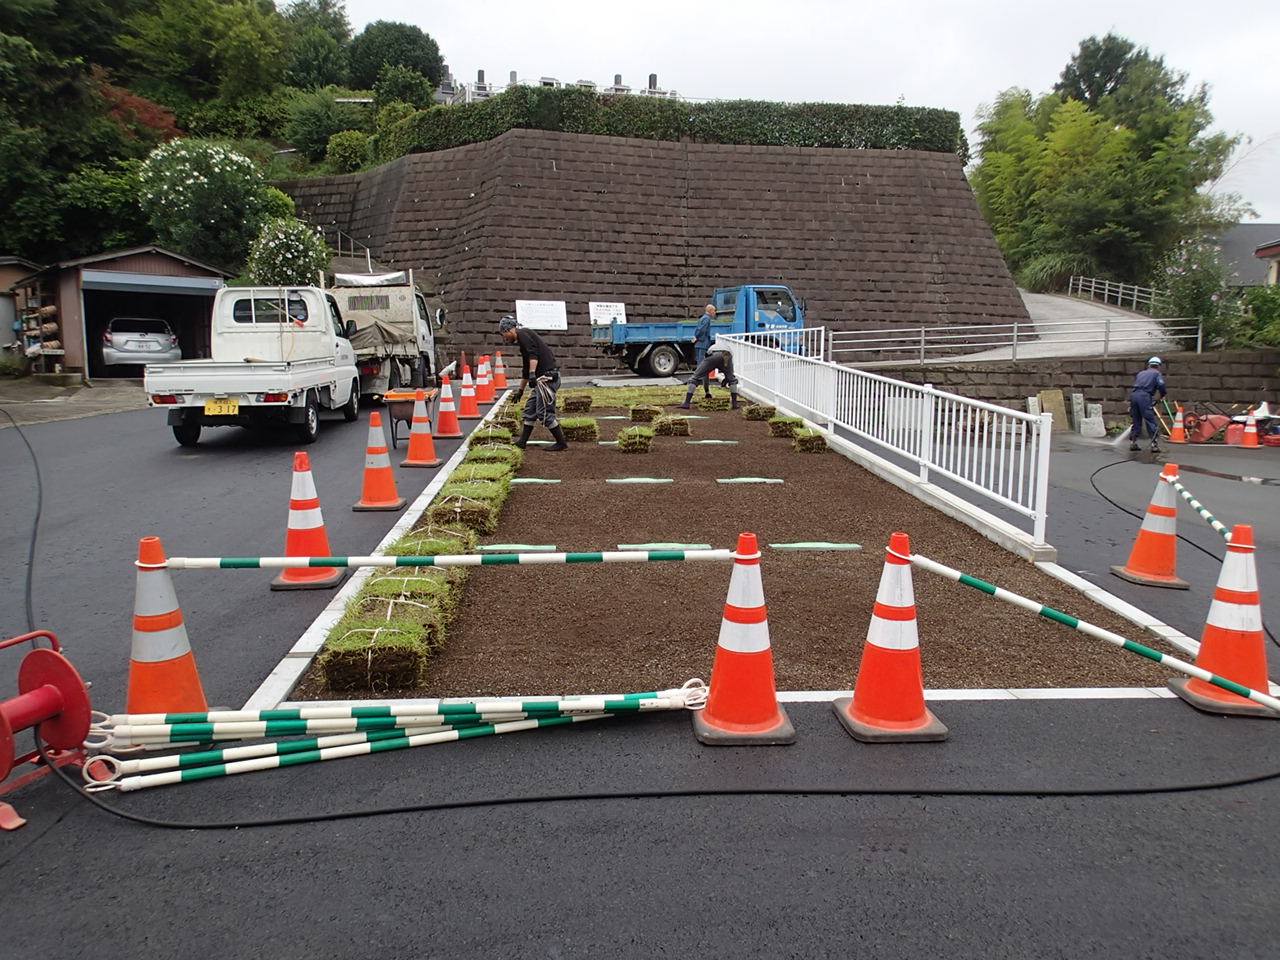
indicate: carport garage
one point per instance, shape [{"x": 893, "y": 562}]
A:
[
  {"x": 184, "y": 302},
  {"x": 151, "y": 282}
]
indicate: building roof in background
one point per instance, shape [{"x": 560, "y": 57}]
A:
[{"x": 1238, "y": 246}]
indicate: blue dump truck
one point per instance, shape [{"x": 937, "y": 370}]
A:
[{"x": 659, "y": 349}]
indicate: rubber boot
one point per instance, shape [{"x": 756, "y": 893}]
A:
[
  {"x": 733, "y": 401},
  {"x": 561, "y": 443},
  {"x": 525, "y": 434},
  {"x": 687, "y": 397}
]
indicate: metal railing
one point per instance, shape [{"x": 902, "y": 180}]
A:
[
  {"x": 973, "y": 343},
  {"x": 999, "y": 454},
  {"x": 1121, "y": 294}
]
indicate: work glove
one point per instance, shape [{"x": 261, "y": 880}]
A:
[{"x": 518, "y": 395}]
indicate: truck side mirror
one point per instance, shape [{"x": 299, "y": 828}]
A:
[{"x": 350, "y": 329}]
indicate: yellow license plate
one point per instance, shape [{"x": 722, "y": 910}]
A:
[{"x": 221, "y": 408}]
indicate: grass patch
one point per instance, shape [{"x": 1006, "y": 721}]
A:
[
  {"x": 488, "y": 435},
  {"x": 670, "y": 425},
  {"x": 581, "y": 429},
  {"x": 576, "y": 403},
  {"x": 379, "y": 646},
  {"x": 714, "y": 403},
  {"x": 512, "y": 456},
  {"x": 482, "y": 470},
  {"x": 758, "y": 411},
  {"x": 808, "y": 440},
  {"x": 644, "y": 413},
  {"x": 635, "y": 440},
  {"x": 784, "y": 426}
]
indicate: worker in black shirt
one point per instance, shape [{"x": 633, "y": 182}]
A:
[
  {"x": 542, "y": 375},
  {"x": 720, "y": 360}
]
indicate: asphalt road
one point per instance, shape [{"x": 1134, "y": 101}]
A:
[{"x": 888, "y": 869}]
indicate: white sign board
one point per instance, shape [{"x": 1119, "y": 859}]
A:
[
  {"x": 542, "y": 314},
  {"x": 603, "y": 314}
]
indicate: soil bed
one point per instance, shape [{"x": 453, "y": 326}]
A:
[{"x": 599, "y": 628}]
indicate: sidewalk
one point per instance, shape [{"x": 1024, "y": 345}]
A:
[{"x": 31, "y": 401}]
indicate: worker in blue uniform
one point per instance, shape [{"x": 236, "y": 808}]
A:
[
  {"x": 1142, "y": 403},
  {"x": 702, "y": 335}
]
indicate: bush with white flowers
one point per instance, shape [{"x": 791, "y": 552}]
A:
[
  {"x": 203, "y": 200},
  {"x": 287, "y": 252}
]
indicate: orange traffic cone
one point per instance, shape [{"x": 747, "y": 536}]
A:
[
  {"x": 468, "y": 409},
  {"x": 742, "y": 705},
  {"x": 887, "y": 705},
  {"x": 1154, "y": 558},
  {"x": 1231, "y": 646},
  {"x": 1179, "y": 432},
  {"x": 447, "y": 414},
  {"x": 422, "y": 451},
  {"x": 1249, "y": 440},
  {"x": 484, "y": 388},
  {"x": 306, "y": 536},
  {"x": 162, "y": 669},
  {"x": 379, "y": 492},
  {"x": 499, "y": 372}
]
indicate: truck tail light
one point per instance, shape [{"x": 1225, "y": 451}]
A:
[
  {"x": 275, "y": 398},
  {"x": 173, "y": 340},
  {"x": 106, "y": 338},
  {"x": 163, "y": 398}
]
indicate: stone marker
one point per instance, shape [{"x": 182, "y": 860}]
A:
[
  {"x": 1093, "y": 425},
  {"x": 1077, "y": 409},
  {"x": 1033, "y": 406},
  {"x": 1052, "y": 401}
]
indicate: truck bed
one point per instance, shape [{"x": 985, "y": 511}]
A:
[{"x": 223, "y": 378}]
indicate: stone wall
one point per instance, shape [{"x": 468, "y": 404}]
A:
[
  {"x": 870, "y": 238},
  {"x": 1245, "y": 377}
]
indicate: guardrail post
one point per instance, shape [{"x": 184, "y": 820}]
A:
[
  {"x": 1199, "y": 335},
  {"x": 926, "y": 432},
  {"x": 1015, "y": 341},
  {"x": 1041, "y": 517},
  {"x": 922, "y": 346},
  {"x": 1106, "y": 337}
]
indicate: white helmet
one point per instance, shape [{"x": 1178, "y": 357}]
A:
[{"x": 1153, "y": 362}]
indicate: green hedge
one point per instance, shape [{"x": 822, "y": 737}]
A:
[{"x": 576, "y": 110}]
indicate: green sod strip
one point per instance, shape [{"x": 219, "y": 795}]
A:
[
  {"x": 532, "y": 480},
  {"x": 664, "y": 546},
  {"x": 638, "y": 480},
  {"x": 707, "y": 443},
  {"x": 816, "y": 545},
  {"x": 519, "y": 547},
  {"x": 747, "y": 480}
]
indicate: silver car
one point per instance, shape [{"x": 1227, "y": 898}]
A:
[{"x": 139, "y": 340}]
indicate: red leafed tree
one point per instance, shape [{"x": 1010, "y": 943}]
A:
[{"x": 139, "y": 118}]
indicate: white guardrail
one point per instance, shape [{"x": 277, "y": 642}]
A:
[
  {"x": 975, "y": 343},
  {"x": 999, "y": 454},
  {"x": 1121, "y": 294}
]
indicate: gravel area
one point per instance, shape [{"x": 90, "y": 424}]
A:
[{"x": 593, "y": 628}]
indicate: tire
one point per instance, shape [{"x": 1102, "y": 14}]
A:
[
  {"x": 663, "y": 360},
  {"x": 351, "y": 409},
  {"x": 187, "y": 434},
  {"x": 393, "y": 374},
  {"x": 309, "y": 428}
]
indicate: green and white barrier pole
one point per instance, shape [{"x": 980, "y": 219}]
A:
[
  {"x": 445, "y": 560},
  {"x": 406, "y": 739},
  {"x": 1093, "y": 631},
  {"x": 1198, "y": 507}
]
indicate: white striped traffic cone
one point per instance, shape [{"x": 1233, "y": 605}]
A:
[
  {"x": 1153, "y": 561},
  {"x": 306, "y": 536},
  {"x": 468, "y": 409},
  {"x": 887, "y": 705},
  {"x": 484, "y": 384},
  {"x": 162, "y": 669},
  {"x": 1249, "y": 439},
  {"x": 379, "y": 490},
  {"x": 499, "y": 372},
  {"x": 1232, "y": 646},
  {"x": 447, "y": 414},
  {"x": 742, "y": 705},
  {"x": 422, "y": 450}
]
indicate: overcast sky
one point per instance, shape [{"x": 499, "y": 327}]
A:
[{"x": 929, "y": 53}]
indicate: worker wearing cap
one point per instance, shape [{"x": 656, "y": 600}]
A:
[
  {"x": 541, "y": 373},
  {"x": 720, "y": 360},
  {"x": 1142, "y": 403}
]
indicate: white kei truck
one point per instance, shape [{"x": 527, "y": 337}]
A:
[
  {"x": 395, "y": 329},
  {"x": 279, "y": 355}
]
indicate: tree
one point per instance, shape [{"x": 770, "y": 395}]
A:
[
  {"x": 1102, "y": 176},
  {"x": 347, "y": 151},
  {"x": 286, "y": 252},
  {"x": 317, "y": 36},
  {"x": 384, "y": 43},
  {"x": 402, "y": 85},
  {"x": 202, "y": 200},
  {"x": 102, "y": 202},
  {"x": 315, "y": 117}
]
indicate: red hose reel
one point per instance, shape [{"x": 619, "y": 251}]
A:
[{"x": 51, "y": 698}]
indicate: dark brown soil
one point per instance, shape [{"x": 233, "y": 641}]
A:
[{"x": 596, "y": 628}]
